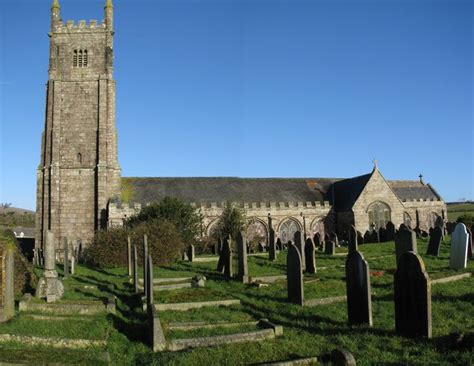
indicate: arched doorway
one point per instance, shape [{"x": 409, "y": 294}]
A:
[
  {"x": 379, "y": 214},
  {"x": 287, "y": 230}
]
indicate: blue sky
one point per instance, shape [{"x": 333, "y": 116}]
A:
[{"x": 261, "y": 88}]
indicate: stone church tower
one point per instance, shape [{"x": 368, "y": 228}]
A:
[{"x": 79, "y": 172}]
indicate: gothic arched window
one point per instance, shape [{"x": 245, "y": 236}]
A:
[
  {"x": 318, "y": 227},
  {"x": 379, "y": 214},
  {"x": 288, "y": 229},
  {"x": 257, "y": 232}
]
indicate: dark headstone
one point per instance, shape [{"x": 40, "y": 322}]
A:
[
  {"x": 459, "y": 247},
  {"x": 470, "y": 249},
  {"x": 359, "y": 303},
  {"x": 66, "y": 258},
  {"x": 243, "y": 273},
  {"x": 330, "y": 248},
  {"x": 334, "y": 238},
  {"x": 327, "y": 238},
  {"x": 353, "y": 243},
  {"x": 220, "y": 263},
  {"x": 360, "y": 238},
  {"x": 309, "y": 255},
  {"x": 190, "y": 253},
  {"x": 129, "y": 256},
  {"x": 450, "y": 227},
  {"x": 227, "y": 257},
  {"x": 135, "y": 269},
  {"x": 382, "y": 235},
  {"x": 405, "y": 241},
  {"x": 317, "y": 239},
  {"x": 342, "y": 357},
  {"x": 149, "y": 282},
  {"x": 390, "y": 231},
  {"x": 145, "y": 262},
  {"x": 279, "y": 245},
  {"x": 294, "y": 276},
  {"x": 367, "y": 237},
  {"x": 374, "y": 236},
  {"x": 272, "y": 251},
  {"x": 412, "y": 288},
  {"x": 298, "y": 242},
  {"x": 435, "y": 241}
]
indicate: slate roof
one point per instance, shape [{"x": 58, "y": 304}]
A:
[
  {"x": 348, "y": 190},
  {"x": 408, "y": 190},
  {"x": 223, "y": 189}
]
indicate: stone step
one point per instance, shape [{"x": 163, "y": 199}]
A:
[
  {"x": 52, "y": 342},
  {"x": 79, "y": 308}
]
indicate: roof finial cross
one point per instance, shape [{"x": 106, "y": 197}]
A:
[
  {"x": 421, "y": 178},
  {"x": 375, "y": 163}
]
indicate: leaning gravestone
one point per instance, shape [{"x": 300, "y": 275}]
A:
[
  {"x": 7, "y": 271},
  {"x": 435, "y": 241},
  {"x": 353, "y": 244},
  {"x": 272, "y": 246},
  {"x": 299, "y": 244},
  {"x": 135, "y": 268},
  {"x": 412, "y": 289},
  {"x": 359, "y": 303},
  {"x": 309, "y": 253},
  {"x": 459, "y": 244},
  {"x": 469, "y": 243},
  {"x": 294, "y": 276},
  {"x": 390, "y": 231},
  {"x": 191, "y": 253},
  {"x": 227, "y": 258},
  {"x": 243, "y": 273},
  {"x": 49, "y": 286},
  {"x": 330, "y": 248},
  {"x": 405, "y": 241}
]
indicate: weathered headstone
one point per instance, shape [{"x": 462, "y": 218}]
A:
[
  {"x": 135, "y": 269},
  {"x": 360, "y": 238},
  {"x": 382, "y": 235},
  {"x": 374, "y": 236},
  {"x": 405, "y": 241},
  {"x": 459, "y": 244},
  {"x": 390, "y": 231},
  {"x": 309, "y": 255},
  {"x": 334, "y": 238},
  {"x": 191, "y": 253},
  {"x": 330, "y": 248},
  {"x": 359, "y": 302},
  {"x": 272, "y": 246},
  {"x": 66, "y": 258},
  {"x": 435, "y": 241},
  {"x": 7, "y": 272},
  {"x": 412, "y": 289},
  {"x": 145, "y": 262},
  {"x": 367, "y": 237},
  {"x": 227, "y": 257},
  {"x": 129, "y": 256},
  {"x": 243, "y": 274},
  {"x": 342, "y": 357},
  {"x": 353, "y": 243},
  {"x": 294, "y": 276},
  {"x": 470, "y": 249},
  {"x": 49, "y": 285},
  {"x": 149, "y": 282},
  {"x": 300, "y": 246},
  {"x": 317, "y": 240},
  {"x": 279, "y": 245}
]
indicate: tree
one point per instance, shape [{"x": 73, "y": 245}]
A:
[
  {"x": 467, "y": 219},
  {"x": 181, "y": 214},
  {"x": 231, "y": 221}
]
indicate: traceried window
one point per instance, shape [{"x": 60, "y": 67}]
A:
[
  {"x": 379, "y": 214},
  {"x": 256, "y": 233},
  {"x": 318, "y": 227},
  {"x": 80, "y": 58},
  {"x": 288, "y": 230}
]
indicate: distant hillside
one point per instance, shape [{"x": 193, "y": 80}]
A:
[
  {"x": 14, "y": 216},
  {"x": 456, "y": 209}
]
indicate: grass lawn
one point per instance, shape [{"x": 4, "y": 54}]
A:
[
  {"x": 308, "y": 331},
  {"x": 454, "y": 211}
]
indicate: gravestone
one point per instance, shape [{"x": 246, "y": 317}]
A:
[
  {"x": 294, "y": 275},
  {"x": 469, "y": 243},
  {"x": 439, "y": 222},
  {"x": 317, "y": 240},
  {"x": 360, "y": 238},
  {"x": 342, "y": 357},
  {"x": 309, "y": 254},
  {"x": 459, "y": 244},
  {"x": 327, "y": 238},
  {"x": 279, "y": 245},
  {"x": 353, "y": 244},
  {"x": 7, "y": 291},
  {"x": 382, "y": 235},
  {"x": 300, "y": 246},
  {"x": 412, "y": 290},
  {"x": 220, "y": 262},
  {"x": 374, "y": 236},
  {"x": 73, "y": 262},
  {"x": 359, "y": 302},
  {"x": 435, "y": 241},
  {"x": 185, "y": 256},
  {"x": 272, "y": 246},
  {"x": 49, "y": 286},
  {"x": 243, "y": 273},
  {"x": 66, "y": 258},
  {"x": 334, "y": 238},
  {"x": 135, "y": 268},
  {"x": 129, "y": 256},
  {"x": 367, "y": 237},
  {"x": 191, "y": 253},
  {"x": 450, "y": 227},
  {"x": 390, "y": 231},
  {"x": 405, "y": 241},
  {"x": 227, "y": 258},
  {"x": 330, "y": 248},
  {"x": 149, "y": 282},
  {"x": 145, "y": 262}
]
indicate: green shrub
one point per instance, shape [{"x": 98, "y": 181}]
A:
[
  {"x": 24, "y": 278},
  {"x": 109, "y": 248},
  {"x": 466, "y": 219},
  {"x": 231, "y": 222}
]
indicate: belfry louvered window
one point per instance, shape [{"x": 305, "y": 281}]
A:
[{"x": 80, "y": 58}]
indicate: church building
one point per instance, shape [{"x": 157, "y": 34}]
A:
[{"x": 79, "y": 183}]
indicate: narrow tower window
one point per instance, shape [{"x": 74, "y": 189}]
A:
[
  {"x": 84, "y": 61},
  {"x": 74, "y": 59},
  {"x": 79, "y": 158}
]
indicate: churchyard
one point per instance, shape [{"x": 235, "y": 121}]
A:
[{"x": 102, "y": 318}]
